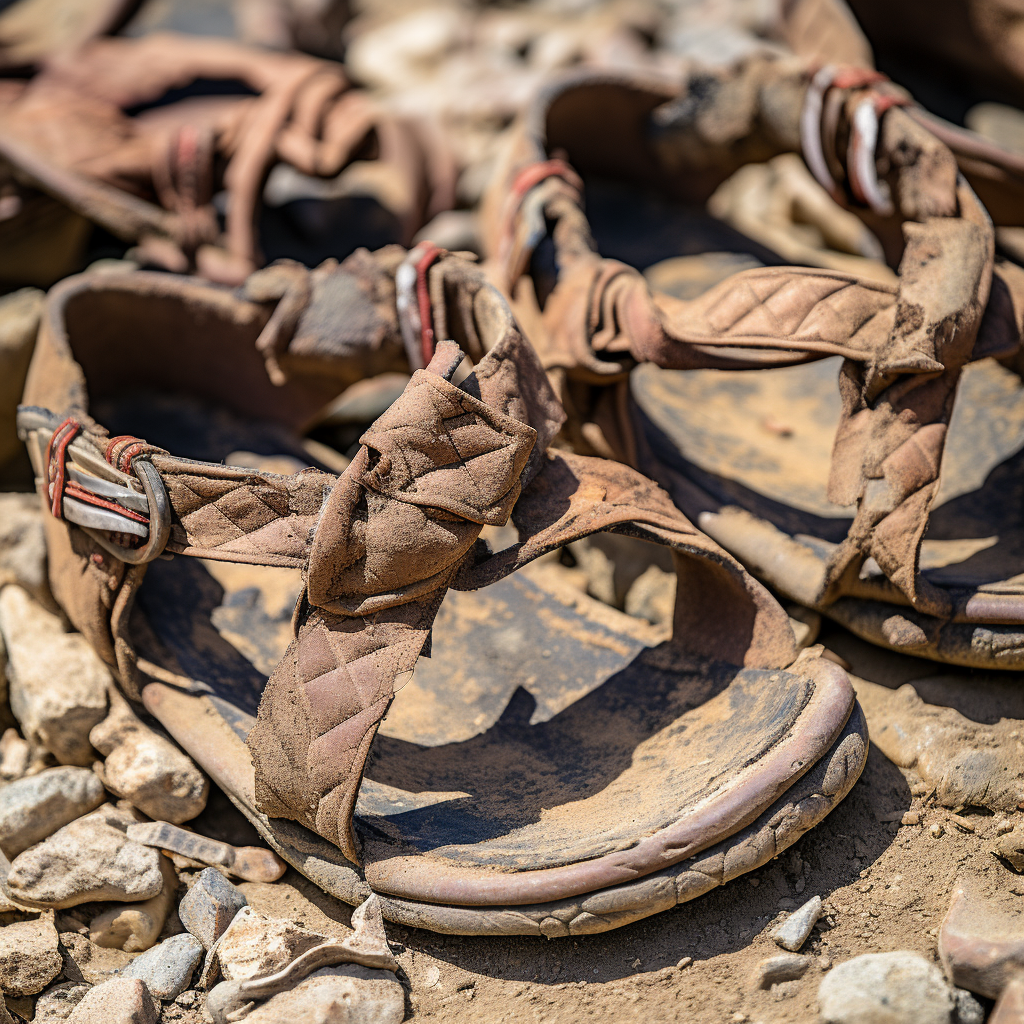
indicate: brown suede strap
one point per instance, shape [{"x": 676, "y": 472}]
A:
[
  {"x": 380, "y": 545},
  {"x": 904, "y": 348}
]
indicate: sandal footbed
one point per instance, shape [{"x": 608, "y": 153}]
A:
[
  {"x": 202, "y": 723},
  {"x": 540, "y": 751}
]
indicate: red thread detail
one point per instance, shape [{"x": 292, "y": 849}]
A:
[
  {"x": 857, "y": 78},
  {"x": 56, "y": 471},
  {"x": 73, "y": 490},
  {"x": 121, "y": 450},
  {"x": 884, "y": 102},
  {"x": 530, "y": 177},
  {"x": 427, "y": 340}
]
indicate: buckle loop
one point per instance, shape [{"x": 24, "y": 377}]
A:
[{"x": 83, "y": 486}]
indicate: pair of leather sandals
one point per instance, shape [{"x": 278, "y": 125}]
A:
[{"x": 353, "y": 656}]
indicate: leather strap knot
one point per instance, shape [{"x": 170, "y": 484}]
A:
[{"x": 433, "y": 470}]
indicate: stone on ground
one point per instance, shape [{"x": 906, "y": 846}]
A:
[
  {"x": 885, "y": 988},
  {"x": 135, "y": 927},
  {"x": 147, "y": 769},
  {"x": 118, "y": 1001},
  {"x": 793, "y": 932},
  {"x": 35, "y": 807},
  {"x": 210, "y": 906},
  {"x": 254, "y": 945},
  {"x": 56, "y": 1003},
  {"x": 167, "y": 969},
  {"x": 90, "y": 859},
  {"x": 349, "y": 994},
  {"x": 981, "y": 941},
  {"x": 29, "y": 956},
  {"x": 783, "y": 967},
  {"x": 58, "y": 685}
]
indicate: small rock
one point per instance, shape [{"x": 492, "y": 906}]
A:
[
  {"x": 936, "y": 830},
  {"x": 168, "y": 968},
  {"x": 90, "y": 859},
  {"x": 685, "y": 962},
  {"x": 1009, "y": 1008},
  {"x": 968, "y": 1009},
  {"x": 58, "y": 685},
  {"x": 349, "y": 993},
  {"x": 23, "y": 546},
  {"x": 29, "y": 956},
  {"x": 56, "y": 1003},
  {"x": 135, "y": 927},
  {"x": 33, "y": 808},
  {"x": 885, "y": 988},
  {"x": 793, "y": 932},
  {"x": 188, "y": 999},
  {"x": 252, "y": 863},
  {"x": 1010, "y": 846},
  {"x": 147, "y": 769},
  {"x": 981, "y": 942},
  {"x": 253, "y": 945},
  {"x": 15, "y": 754},
  {"x": 118, "y": 1001},
  {"x": 210, "y": 906},
  {"x": 911, "y": 818},
  {"x": 784, "y": 967},
  {"x": 85, "y": 961}
]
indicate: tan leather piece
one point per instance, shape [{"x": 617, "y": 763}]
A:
[{"x": 903, "y": 348}]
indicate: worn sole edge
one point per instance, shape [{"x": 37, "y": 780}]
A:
[
  {"x": 801, "y": 807},
  {"x": 796, "y": 571},
  {"x": 716, "y": 815},
  {"x": 792, "y": 569}
]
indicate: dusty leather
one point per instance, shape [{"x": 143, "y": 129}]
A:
[
  {"x": 904, "y": 348},
  {"x": 379, "y": 545},
  {"x": 150, "y": 177},
  {"x": 32, "y": 30}
]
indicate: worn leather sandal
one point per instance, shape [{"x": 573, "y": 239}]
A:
[
  {"x": 550, "y": 768},
  {"x": 140, "y": 135},
  {"x": 745, "y": 454},
  {"x": 33, "y": 30}
]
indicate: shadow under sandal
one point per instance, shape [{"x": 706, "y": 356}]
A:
[
  {"x": 749, "y": 456},
  {"x": 620, "y": 779}
]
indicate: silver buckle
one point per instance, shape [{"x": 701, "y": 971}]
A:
[{"x": 144, "y": 493}]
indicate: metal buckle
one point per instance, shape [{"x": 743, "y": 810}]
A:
[{"x": 88, "y": 469}]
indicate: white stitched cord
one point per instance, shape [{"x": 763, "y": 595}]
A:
[
  {"x": 810, "y": 130},
  {"x": 860, "y": 160},
  {"x": 408, "y": 307}
]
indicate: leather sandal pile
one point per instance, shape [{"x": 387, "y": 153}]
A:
[{"x": 425, "y": 480}]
